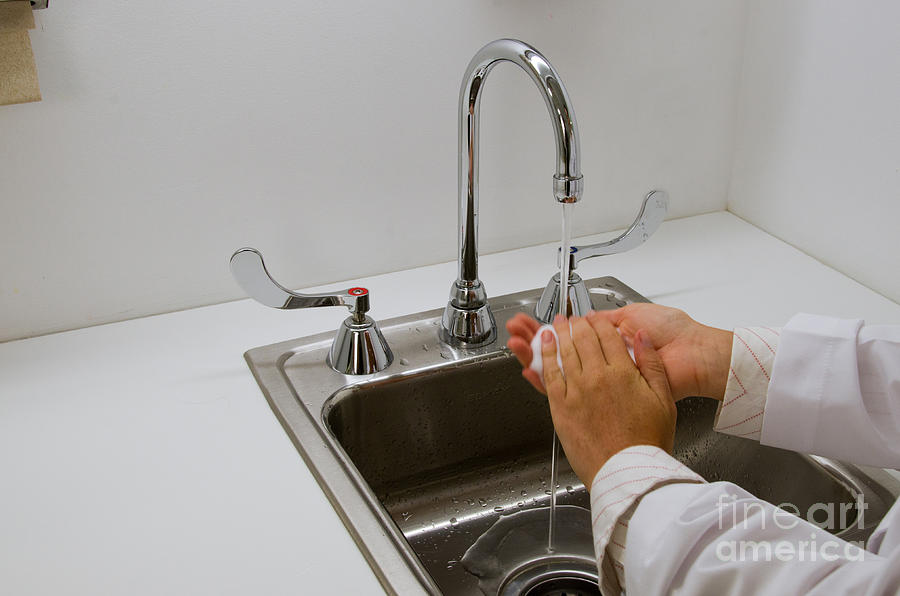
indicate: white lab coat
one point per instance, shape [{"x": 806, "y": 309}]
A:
[{"x": 834, "y": 391}]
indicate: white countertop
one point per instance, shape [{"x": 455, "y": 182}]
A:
[{"x": 141, "y": 457}]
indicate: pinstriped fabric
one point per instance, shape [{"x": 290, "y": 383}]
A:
[
  {"x": 615, "y": 491},
  {"x": 752, "y": 358}
]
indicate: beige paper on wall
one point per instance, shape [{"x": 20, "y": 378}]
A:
[
  {"x": 18, "y": 72},
  {"x": 15, "y": 16}
]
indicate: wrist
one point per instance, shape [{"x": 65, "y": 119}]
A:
[{"x": 717, "y": 355}]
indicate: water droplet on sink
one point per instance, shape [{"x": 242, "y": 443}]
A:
[
  {"x": 406, "y": 515},
  {"x": 425, "y": 347},
  {"x": 570, "y": 490},
  {"x": 404, "y": 362},
  {"x": 454, "y": 522},
  {"x": 482, "y": 502},
  {"x": 498, "y": 509}
]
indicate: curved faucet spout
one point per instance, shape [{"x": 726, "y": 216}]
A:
[
  {"x": 567, "y": 181},
  {"x": 467, "y": 319}
]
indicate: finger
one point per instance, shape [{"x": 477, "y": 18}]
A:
[
  {"x": 523, "y": 326},
  {"x": 651, "y": 365},
  {"x": 570, "y": 359},
  {"x": 553, "y": 378},
  {"x": 612, "y": 344},
  {"x": 587, "y": 343},
  {"x": 521, "y": 329},
  {"x": 521, "y": 348},
  {"x": 535, "y": 380},
  {"x": 621, "y": 320}
]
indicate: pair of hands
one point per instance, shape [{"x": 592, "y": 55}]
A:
[{"x": 607, "y": 402}]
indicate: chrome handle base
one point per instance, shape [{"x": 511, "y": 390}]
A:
[
  {"x": 653, "y": 212},
  {"x": 578, "y": 301},
  {"x": 359, "y": 348}
]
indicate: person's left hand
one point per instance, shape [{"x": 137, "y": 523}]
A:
[{"x": 604, "y": 403}]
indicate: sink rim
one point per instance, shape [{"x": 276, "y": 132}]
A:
[{"x": 304, "y": 419}]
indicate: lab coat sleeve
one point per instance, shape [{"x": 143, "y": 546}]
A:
[
  {"x": 718, "y": 539},
  {"x": 835, "y": 391},
  {"x": 615, "y": 490}
]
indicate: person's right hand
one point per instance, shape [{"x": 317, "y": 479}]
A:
[
  {"x": 604, "y": 402},
  {"x": 697, "y": 357}
]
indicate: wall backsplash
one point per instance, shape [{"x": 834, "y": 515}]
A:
[
  {"x": 172, "y": 133},
  {"x": 817, "y": 160}
]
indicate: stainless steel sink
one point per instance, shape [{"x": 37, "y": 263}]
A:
[{"x": 421, "y": 459}]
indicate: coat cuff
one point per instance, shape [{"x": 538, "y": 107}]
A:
[
  {"x": 752, "y": 360},
  {"x": 615, "y": 492}
]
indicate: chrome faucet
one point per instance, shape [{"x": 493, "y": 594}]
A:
[{"x": 467, "y": 319}]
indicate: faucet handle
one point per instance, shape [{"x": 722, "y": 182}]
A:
[
  {"x": 578, "y": 300},
  {"x": 359, "y": 348},
  {"x": 249, "y": 270},
  {"x": 653, "y": 212}
]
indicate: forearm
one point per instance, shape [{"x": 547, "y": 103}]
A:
[
  {"x": 835, "y": 391},
  {"x": 658, "y": 529},
  {"x": 718, "y": 539},
  {"x": 615, "y": 491},
  {"x": 819, "y": 385}
]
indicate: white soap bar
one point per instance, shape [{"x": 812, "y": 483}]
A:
[{"x": 537, "y": 361}]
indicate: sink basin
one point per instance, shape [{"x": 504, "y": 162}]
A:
[{"x": 423, "y": 458}]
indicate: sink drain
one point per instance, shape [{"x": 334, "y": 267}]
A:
[
  {"x": 557, "y": 578},
  {"x": 512, "y": 558},
  {"x": 564, "y": 586}
]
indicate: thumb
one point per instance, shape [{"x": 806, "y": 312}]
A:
[
  {"x": 613, "y": 316},
  {"x": 651, "y": 365}
]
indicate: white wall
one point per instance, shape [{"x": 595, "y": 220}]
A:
[
  {"x": 324, "y": 133},
  {"x": 817, "y": 161}
]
